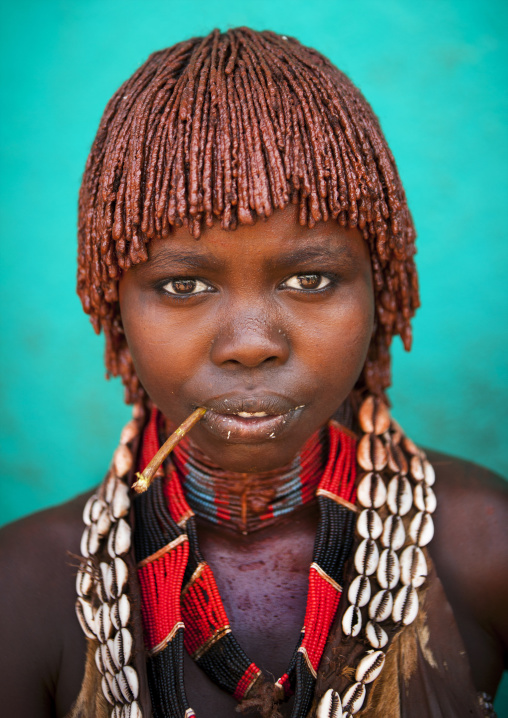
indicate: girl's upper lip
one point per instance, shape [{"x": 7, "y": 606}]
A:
[{"x": 271, "y": 404}]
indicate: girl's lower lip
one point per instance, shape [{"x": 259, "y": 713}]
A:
[{"x": 238, "y": 429}]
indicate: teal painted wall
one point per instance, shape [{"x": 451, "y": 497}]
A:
[{"x": 435, "y": 73}]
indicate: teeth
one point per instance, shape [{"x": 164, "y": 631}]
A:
[{"x": 251, "y": 414}]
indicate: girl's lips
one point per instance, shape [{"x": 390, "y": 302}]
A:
[{"x": 240, "y": 429}]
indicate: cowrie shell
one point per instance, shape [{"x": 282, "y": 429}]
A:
[
  {"x": 413, "y": 566},
  {"x": 396, "y": 432},
  {"x": 107, "y": 656},
  {"x": 84, "y": 580},
  {"x": 87, "y": 518},
  {"x": 129, "y": 432},
  {"x": 352, "y": 621},
  {"x": 122, "y": 648},
  {"x": 119, "y": 539},
  {"x": 120, "y": 501},
  {"x": 405, "y": 606},
  {"x": 424, "y": 498},
  {"x": 122, "y": 460},
  {"x": 394, "y": 534},
  {"x": 117, "y": 711},
  {"x": 371, "y": 453},
  {"x": 116, "y": 578},
  {"x": 90, "y": 541},
  {"x": 106, "y": 690},
  {"x": 376, "y": 636},
  {"x": 330, "y": 705},
  {"x": 388, "y": 570},
  {"x": 134, "y": 711},
  {"x": 359, "y": 591},
  {"x": 421, "y": 529},
  {"x": 373, "y": 416},
  {"x": 369, "y": 524},
  {"x": 103, "y": 623},
  {"x": 101, "y": 583},
  {"x": 370, "y": 667},
  {"x": 381, "y": 606},
  {"x": 98, "y": 661},
  {"x": 399, "y": 496},
  {"x": 114, "y": 688},
  {"x": 85, "y": 614},
  {"x": 416, "y": 468},
  {"x": 353, "y": 697},
  {"x": 138, "y": 411},
  {"x": 367, "y": 557},
  {"x": 397, "y": 462},
  {"x": 429, "y": 473},
  {"x": 103, "y": 523},
  {"x": 121, "y": 612},
  {"x": 371, "y": 491},
  {"x": 96, "y": 509},
  {"x": 109, "y": 488},
  {"x": 129, "y": 683},
  {"x": 410, "y": 446}
]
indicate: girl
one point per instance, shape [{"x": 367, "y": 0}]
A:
[{"x": 246, "y": 247}]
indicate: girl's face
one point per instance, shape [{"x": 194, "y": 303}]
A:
[{"x": 267, "y": 327}]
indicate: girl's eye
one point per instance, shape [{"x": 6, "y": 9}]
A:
[
  {"x": 309, "y": 282},
  {"x": 182, "y": 286}
]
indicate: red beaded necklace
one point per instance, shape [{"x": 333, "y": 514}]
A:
[{"x": 178, "y": 589}]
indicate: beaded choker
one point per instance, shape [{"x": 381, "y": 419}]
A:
[{"x": 178, "y": 588}]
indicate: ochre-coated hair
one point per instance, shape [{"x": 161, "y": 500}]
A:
[{"x": 229, "y": 128}]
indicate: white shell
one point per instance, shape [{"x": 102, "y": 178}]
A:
[
  {"x": 121, "y": 612},
  {"x": 376, "y": 636},
  {"x": 103, "y": 623},
  {"x": 353, "y": 697},
  {"x": 114, "y": 688},
  {"x": 352, "y": 621},
  {"x": 109, "y": 487},
  {"x": 96, "y": 509},
  {"x": 425, "y": 498},
  {"x": 128, "y": 682},
  {"x": 421, "y": 529},
  {"x": 122, "y": 648},
  {"x": 103, "y": 523},
  {"x": 107, "y": 656},
  {"x": 120, "y": 501},
  {"x": 122, "y": 460},
  {"x": 416, "y": 468},
  {"x": 116, "y": 578},
  {"x": 330, "y": 705},
  {"x": 371, "y": 491},
  {"x": 405, "y": 606},
  {"x": 429, "y": 473},
  {"x": 370, "y": 666},
  {"x": 399, "y": 495},
  {"x": 388, "y": 570},
  {"x": 87, "y": 519},
  {"x": 381, "y": 606},
  {"x": 369, "y": 524},
  {"x": 367, "y": 557},
  {"x": 393, "y": 533},
  {"x": 98, "y": 661},
  {"x": 85, "y": 614},
  {"x": 90, "y": 541},
  {"x": 117, "y": 711},
  {"x": 359, "y": 591},
  {"x": 413, "y": 566},
  {"x": 129, "y": 432},
  {"x": 106, "y": 690},
  {"x": 84, "y": 580},
  {"x": 119, "y": 539},
  {"x": 101, "y": 583},
  {"x": 134, "y": 711}
]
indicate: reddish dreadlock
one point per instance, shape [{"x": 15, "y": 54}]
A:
[{"x": 233, "y": 126}]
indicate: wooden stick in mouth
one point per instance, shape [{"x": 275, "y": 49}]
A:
[{"x": 145, "y": 478}]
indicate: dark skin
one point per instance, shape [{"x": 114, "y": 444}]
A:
[{"x": 274, "y": 335}]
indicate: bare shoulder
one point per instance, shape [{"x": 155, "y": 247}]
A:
[
  {"x": 38, "y": 566},
  {"x": 470, "y": 546}
]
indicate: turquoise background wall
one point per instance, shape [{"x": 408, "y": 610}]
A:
[{"x": 436, "y": 75}]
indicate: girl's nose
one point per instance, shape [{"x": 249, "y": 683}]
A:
[{"x": 250, "y": 339}]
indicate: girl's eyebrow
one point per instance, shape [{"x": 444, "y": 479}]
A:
[
  {"x": 167, "y": 258},
  {"x": 313, "y": 254}
]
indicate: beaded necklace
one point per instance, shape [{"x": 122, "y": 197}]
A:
[{"x": 178, "y": 587}]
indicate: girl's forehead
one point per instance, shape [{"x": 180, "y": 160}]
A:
[{"x": 279, "y": 238}]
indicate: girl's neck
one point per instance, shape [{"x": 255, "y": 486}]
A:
[{"x": 247, "y": 502}]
